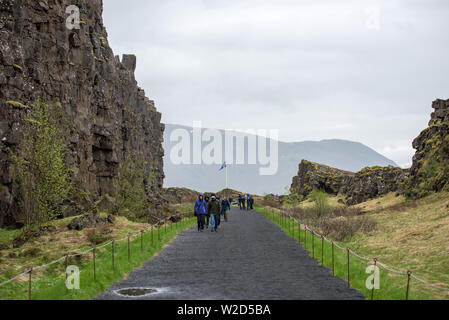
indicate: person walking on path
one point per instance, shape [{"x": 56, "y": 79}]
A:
[
  {"x": 225, "y": 207},
  {"x": 218, "y": 218},
  {"x": 251, "y": 201},
  {"x": 200, "y": 211},
  {"x": 207, "y": 217},
  {"x": 248, "y": 202},
  {"x": 243, "y": 206},
  {"x": 213, "y": 207}
]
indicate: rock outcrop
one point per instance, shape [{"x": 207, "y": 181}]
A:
[
  {"x": 180, "y": 195},
  {"x": 430, "y": 168},
  {"x": 313, "y": 176},
  {"x": 77, "y": 71},
  {"x": 373, "y": 182},
  {"x": 90, "y": 220},
  {"x": 356, "y": 187}
]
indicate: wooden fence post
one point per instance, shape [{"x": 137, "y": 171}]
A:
[
  {"x": 333, "y": 260},
  {"x": 113, "y": 249},
  {"x": 293, "y": 229},
  {"x": 129, "y": 249},
  {"x": 313, "y": 243},
  {"x": 299, "y": 232},
  {"x": 95, "y": 267},
  {"x": 374, "y": 279},
  {"x": 409, "y": 276},
  {"x": 322, "y": 250},
  {"x": 141, "y": 240},
  {"x": 349, "y": 268},
  {"x": 29, "y": 283},
  {"x": 305, "y": 236}
]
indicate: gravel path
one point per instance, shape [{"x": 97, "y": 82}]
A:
[{"x": 250, "y": 258}]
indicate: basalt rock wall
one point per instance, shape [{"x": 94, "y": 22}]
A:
[
  {"x": 356, "y": 187},
  {"x": 77, "y": 71},
  {"x": 430, "y": 167}
]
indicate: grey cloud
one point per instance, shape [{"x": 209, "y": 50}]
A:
[{"x": 309, "y": 68}]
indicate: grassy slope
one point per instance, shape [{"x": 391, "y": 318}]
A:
[
  {"x": 411, "y": 235},
  {"x": 49, "y": 283}
]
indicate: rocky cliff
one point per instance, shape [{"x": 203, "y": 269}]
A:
[
  {"x": 313, "y": 176},
  {"x": 356, "y": 187},
  {"x": 77, "y": 71},
  {"x": 430, "y": 168}
]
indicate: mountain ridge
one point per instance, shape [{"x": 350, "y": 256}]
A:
[{"x": 343, "y": 154}]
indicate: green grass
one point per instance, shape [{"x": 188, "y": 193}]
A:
[
  {"x": 50, "y": 284},
  {"x": 7, "y": 235},
  {"x": 392, "y": 286}
]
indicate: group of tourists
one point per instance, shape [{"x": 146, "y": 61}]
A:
[
  {"x": 246, "y": 202},
  {"x": 210, "y": 210}
]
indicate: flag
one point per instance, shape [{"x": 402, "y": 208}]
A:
[{"x": 224, "y": 166}]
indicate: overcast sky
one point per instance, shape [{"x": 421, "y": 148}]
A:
[{"x": 313, "y": 69}]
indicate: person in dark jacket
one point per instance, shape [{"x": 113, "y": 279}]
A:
[
  {"x": 200, "y": 211},
  {"x": 248, "y": 202},
  {"x": 225, "y": 207},
  {"x": 218, "y": 221},
  {"x": 213, "y": 207},
  {"x": 251, "y": 201},
  {"x": 207, "y": 217},
  {"x": 242, "y": 201}
]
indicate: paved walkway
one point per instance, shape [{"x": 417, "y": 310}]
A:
[{"x": 250, "y": 258}]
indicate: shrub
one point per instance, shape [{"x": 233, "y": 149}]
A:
[
  {"x": 31, "y": 252},
  {"x": 321, "y": 205},
  {"x": 346, "y": 211},
  {"x": 343, "y": 228},
  {"x": 292, "y": 199},
  {"x": 135, "y": 182},
  {"x": 265, "y": 202},
  {"x": 99, "y": 235},
  {"x": 40, "y": 170}
]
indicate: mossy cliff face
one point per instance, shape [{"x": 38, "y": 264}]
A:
[
  {"x": 357, "y": 187},
  {"x": 430, "y": 168},
  {"x": 373, "y": 182},
  {"x": 313, "y": 176},
  {"x": 180, "y": 195},
  {"x": 75, "y": 70}
]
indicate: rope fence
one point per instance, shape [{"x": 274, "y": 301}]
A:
[
  {"x": 93, "y": 251},
  {"x": 289, "y": 222}
]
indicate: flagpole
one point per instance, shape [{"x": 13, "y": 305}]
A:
[{"x": 226, "y": 175}]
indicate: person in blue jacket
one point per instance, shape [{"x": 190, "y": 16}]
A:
[
  {"x": 225, "y": 207},
  {"x": 200, "y": 211},
  {"x": 248, "y": 202}
]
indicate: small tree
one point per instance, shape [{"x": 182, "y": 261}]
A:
[
  {"x": 40, "y": 169},
  {"x": 321, "y": 205},
  {"x": 292, "y": 198},
  {"x": 134, "y": 181}
]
